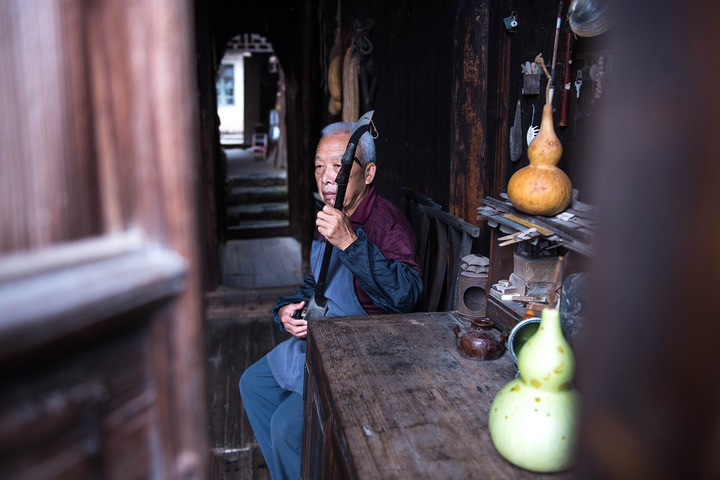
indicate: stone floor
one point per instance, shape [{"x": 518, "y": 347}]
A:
[
  {"x": 241, "y": 163},
  {"x": 262, "y": 263}
]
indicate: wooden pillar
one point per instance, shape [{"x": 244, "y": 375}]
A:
[
  {"x": 143, "y": 78},
  {"x": 469, "y": 170},
  {"x": 650, "y": 399},
  {"x": 303, "y": 130},
  {"x": 211, "y": 167}
]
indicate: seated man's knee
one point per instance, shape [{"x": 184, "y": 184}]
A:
[
  {"x": 287, "y": 432},
  {"x": 247, "y": 382},
  {"x": 286, "y": 423}
]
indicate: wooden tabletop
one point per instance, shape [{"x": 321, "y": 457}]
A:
[{"x": 406, "y": 403}]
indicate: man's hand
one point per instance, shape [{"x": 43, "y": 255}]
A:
[
  {"x": 336, "y": 227},
  {"x": 295, "y": 326}
]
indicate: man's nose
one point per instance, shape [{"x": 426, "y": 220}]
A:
[{"x": 329, "y": 175}]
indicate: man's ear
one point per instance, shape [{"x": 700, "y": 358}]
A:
[{"x": 369, "y": 173}]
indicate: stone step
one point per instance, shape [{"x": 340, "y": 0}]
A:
[
  {"x": 256, "y": 180},
  {"x": 257, "y": 211},
  {"x": 260, "y": 224},
  {"x": 267, "y": 194}
]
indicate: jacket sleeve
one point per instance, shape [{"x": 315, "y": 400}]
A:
[
  {"x": 304, "y": 293},
  {"x": 393, "y": 286}
]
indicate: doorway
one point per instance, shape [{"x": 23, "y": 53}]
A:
[
  {"x": 251, "y": 106},
  {"x": 251, "y": 103}
]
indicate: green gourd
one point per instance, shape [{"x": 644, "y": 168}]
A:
[{"x": 533, "y": 418}]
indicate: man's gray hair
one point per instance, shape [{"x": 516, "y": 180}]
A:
[{"x": 366, "y": 145}]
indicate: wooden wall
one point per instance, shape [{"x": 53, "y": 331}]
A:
[
  {"x": 412, "y": 52},
  {"x": 448, "y": 81}
]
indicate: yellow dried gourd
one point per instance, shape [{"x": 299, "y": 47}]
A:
[
  {"x": 350, "y": 101},
  {"x": 335, "y": 78},
  {"x": 541, "y": 188}
]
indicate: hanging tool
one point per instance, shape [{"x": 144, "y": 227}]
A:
[
  {"x": 516, "y": 136},
  {"x": 567, "y": 79},
  {"x": 364, "y": 48},
  {"x": 533, "y": 129},
  {"x": 511, "y": 23},
  {"x": 558, "y": 23},
  {"x": 578, "y": 83},
  {"x": 317, "y": 306}
]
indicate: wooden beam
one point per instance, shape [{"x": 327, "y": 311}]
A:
[
  {"x": 64, "y": 291},
  {"x": 470, "y": 177}
]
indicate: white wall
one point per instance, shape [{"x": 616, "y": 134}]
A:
[{"x": 232, "y": 117}]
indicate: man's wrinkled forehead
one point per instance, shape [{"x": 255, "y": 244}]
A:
[{"x": 331, "y": 147}]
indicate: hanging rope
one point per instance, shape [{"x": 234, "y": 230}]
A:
[{"x": 362, "y": 51}]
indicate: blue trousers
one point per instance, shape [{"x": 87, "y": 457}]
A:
[{"x": 276, "y": 417}]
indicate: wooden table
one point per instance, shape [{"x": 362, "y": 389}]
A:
[{"x": 391, "y": 397}]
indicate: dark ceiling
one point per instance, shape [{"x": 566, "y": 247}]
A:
[{"x": 280, "y": 21}]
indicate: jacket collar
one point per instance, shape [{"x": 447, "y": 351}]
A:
[{"x": 362, "y": 212}]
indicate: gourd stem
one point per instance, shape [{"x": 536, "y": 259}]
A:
[{"x": 539, "y": 60}]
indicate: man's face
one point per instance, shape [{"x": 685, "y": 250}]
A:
[{"x": 327, "y": 165}]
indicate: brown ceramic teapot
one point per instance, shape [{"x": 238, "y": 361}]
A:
[{"x": 480, "y": 340}]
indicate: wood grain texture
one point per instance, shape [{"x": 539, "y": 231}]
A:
[
  {"x": 240, "y": 332},
  {"x": 47, "y": 189},
  {"x": 234, "y": 345},
  {"x": 444, "y": 240},
  {"x": 468, "y": 163},
  {"x": 211, "y": 164},
  {"x": 98, "y": 136},
  {"x": 404, "y": 402},
  {"x": 48, "y": 307},
  {"x": 88, "y": 414},
  {"x": 145, "y": 118}
]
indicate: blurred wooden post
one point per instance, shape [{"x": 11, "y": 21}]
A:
[
  {"x": 99, "y": 140},
  {"x": 650, "y": 393}
]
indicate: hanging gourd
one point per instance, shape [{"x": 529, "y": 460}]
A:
[
  {"x": 541, "y": 188},
  {"x": 335, "y": 85},
  {"x": 350, "y": 88},
  {"x": 334, "y": 75},
  {"x": 532, "y": 419}
]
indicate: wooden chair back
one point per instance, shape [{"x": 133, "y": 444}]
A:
[
  {"x": 443, "y": 241},
  {"x": 259, "y": 146},
  {"x": 410, "y": 207}
]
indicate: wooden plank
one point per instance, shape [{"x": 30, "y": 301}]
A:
[
  {"x": 217, "y": 358},
  {"x": 47, "y": 192},
  {"x": 526, "y": 223},
  {"x": 88, "y": 414},
  {"x": 567, "y": 232},
  {"x": 232, "y": 465},
  {"x": 46, "y": 307},
  {"x": 70, "y": 254},
  {"x": 234, "y": 345},
  {"x": 572, "y": 237}
]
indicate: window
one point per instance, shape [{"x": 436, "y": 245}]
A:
[{"x": 226, "y": 85}]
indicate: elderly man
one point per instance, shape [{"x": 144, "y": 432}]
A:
[{"x": 373, "y": 270}]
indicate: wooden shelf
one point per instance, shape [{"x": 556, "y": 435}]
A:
[{"x": 573, "y": 229}]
